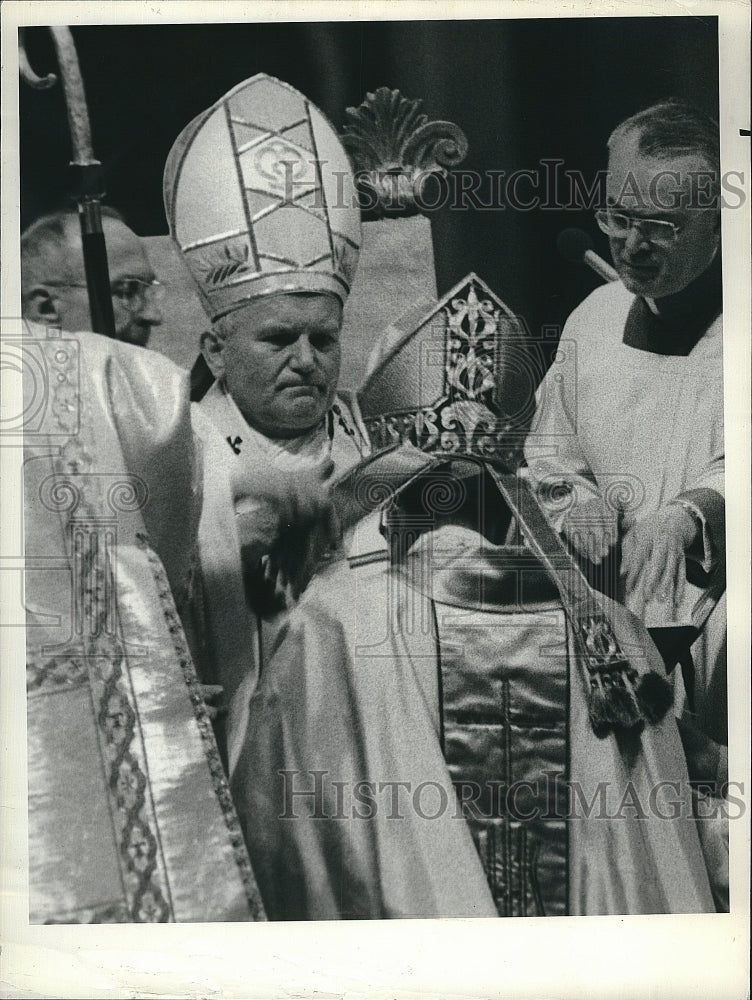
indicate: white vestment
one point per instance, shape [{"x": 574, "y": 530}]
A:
[
  {"x": 234, "y": 644},
  {"x": 130, "y": 817},
  {"x": 346, "y": 788},
  {"x": 640, "y": 430}
]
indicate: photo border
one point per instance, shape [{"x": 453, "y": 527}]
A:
[{"x": 672, "y": 956}]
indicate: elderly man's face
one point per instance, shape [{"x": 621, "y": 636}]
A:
[
  {"x": 134, "y": 308},
  {"x": 646, "y": 188},
  {"x": 280, "y": 359}
]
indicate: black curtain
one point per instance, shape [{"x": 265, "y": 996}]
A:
[{"x": 524, "y": 91}]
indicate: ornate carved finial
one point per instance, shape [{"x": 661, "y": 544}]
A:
[{"x": 395, "y": 151}]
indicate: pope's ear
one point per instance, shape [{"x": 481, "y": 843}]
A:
[
  {"x": 212, "y": 349},
  {"x": 41, "y": 306}
]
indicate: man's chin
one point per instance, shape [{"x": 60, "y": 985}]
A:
[
  {"x": 300, "y": 416},
  {"x": 640, "y": 280},
  {"x": 139, "y": 337}
]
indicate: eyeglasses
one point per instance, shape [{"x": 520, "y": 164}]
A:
[
  {"x": 657, "y": 231},
  {"x": 132, "y": 292}
]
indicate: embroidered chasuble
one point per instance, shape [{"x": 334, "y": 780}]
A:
[
  {"x": 419, "y": 746},
  {"x": 130, "y": 817},
  {"x": 451, "y": 722},
  {"x": 238, "y": 640}
]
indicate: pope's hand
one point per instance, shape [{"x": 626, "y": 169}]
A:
[
  {"x": 289, "y": 518},
  {"x": 654, "y": 552},
  {"x": 308, "y": 536}
]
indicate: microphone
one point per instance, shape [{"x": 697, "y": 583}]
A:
[{"x": 576, "y": 246}]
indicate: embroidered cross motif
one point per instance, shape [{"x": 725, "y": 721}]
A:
[{"x": 235, "y": 443}]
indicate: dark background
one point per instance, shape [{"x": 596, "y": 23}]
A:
[{"x": 521, "y": 90}]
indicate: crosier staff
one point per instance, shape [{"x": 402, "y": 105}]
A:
[{"x": 86, "y": 172}]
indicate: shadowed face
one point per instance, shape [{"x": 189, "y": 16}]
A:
[
  {"x": 280, "y": 359},
  {"x": 640, "y": 188},
  {"x": 61, "y": 298}
]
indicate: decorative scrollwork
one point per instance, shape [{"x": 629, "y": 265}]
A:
[
  {"x": 466, "y": 416},
  {"x": 472, "y": 325},
  {"x": 395, "y": 150},
  {"x": 66, "y": 493},
  {"x": 394, "y": 428},
  {"x": 372, "y": 490},
  {"x": 127, "y": 495},
  {"x": 622, "y": 493},
  {"x": 59, "y": 493},
  {"x": 444, "y": 495},
  {"x": 556, "y": 494}
]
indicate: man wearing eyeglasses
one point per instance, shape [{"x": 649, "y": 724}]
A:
[
  {"x": 53, "y": 282},
  {"x": 629, "y": 425}
]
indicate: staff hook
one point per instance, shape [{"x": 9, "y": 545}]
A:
[{"x": 86, "y": 171}]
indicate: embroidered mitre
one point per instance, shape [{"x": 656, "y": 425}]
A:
[
  {"x": 260, "y": 198},
  {"x": 451, "y": 382}
]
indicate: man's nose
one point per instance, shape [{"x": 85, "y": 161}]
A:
[
  {"x": 303, "y": 356},
  {"x": 635, "y": 242},
  {"x": 149, "y": 314}
]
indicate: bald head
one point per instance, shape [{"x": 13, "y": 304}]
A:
[{"x": 53, "y": 281}]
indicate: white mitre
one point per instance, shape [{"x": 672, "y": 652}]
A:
[{"x": 260, "y": 198}]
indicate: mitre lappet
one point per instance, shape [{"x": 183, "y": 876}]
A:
[{"x": 260, "y": 198}]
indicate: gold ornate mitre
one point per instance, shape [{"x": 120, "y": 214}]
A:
[
  {"x": 260, "y": 198},
  {"x": 456, "y": 382}
]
